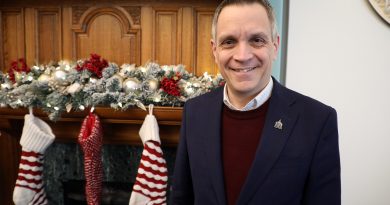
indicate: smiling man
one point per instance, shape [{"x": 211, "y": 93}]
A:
[{"x": 254, "y": 141}]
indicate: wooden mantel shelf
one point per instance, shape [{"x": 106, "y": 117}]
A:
[{"x": 120, "y": 127}]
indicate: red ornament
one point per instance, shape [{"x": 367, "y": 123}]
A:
[
  {"x": 15, "y": 68},
  {"x": 94, "y": 65}
]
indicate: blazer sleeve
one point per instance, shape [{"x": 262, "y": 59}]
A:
[
  {"x": 323, "y": 186},
  {"x": 181, "y": 190}
]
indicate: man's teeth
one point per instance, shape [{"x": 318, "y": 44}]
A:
[{"x": 244, "y": 70}]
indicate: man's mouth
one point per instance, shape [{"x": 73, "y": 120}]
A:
[{"x": 242, "y": 70}]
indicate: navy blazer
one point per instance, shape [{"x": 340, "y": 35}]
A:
[{"x": 298, "y": 164}]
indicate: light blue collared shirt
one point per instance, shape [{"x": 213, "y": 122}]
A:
[{"x": 256, "y": 102}]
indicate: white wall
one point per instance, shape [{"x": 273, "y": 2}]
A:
[{"x": 339, "y": 53}]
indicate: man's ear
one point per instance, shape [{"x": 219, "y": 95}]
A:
[
  {"x": 214, "y": 48},
  {"x": 276, "y": 45}
]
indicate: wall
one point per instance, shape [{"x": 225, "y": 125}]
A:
[
  {"x": 338, "y": 52},
  {"x": 169, "y": 32}
]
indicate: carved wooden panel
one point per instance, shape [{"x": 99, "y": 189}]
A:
[
  {"x": 48, "y": 35},
  {"x": 204, "y": 56},
  {"x": 166, "y": 42},
  {"x": 12, "y": 36},
  {"x": 77, "y": 12},
  {"x": 109, "y": 32},
  {"x": 187, "y": 39}
]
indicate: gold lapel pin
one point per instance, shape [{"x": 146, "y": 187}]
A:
[{"x": 278, "y": 124}]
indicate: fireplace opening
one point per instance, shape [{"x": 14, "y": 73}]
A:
[{"x": 113, "y": 193}]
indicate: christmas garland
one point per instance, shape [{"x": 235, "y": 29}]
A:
[{"x": 65, "y": 86}]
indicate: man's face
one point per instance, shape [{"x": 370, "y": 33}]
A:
[{"x": 244, "y": 50}]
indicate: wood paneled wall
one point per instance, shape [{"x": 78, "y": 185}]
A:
[
  {"x": 163, "y": 31},
  {"x": 123, "y": 32}
]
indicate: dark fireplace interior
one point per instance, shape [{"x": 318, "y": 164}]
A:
[
  {"x": 64, "y": 173},
  {"x": 113, "y": 193}
]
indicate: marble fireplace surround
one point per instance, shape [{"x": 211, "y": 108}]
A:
[{"x": 120, "y": 155}]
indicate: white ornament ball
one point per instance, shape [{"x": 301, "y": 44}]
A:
[
  {"x": 153, "y": 84},
  {"x": 60, "y": 76},
  {"x": 131, "y": 85}
]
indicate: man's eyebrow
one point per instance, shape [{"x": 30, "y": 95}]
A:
[
  {"x": 260, "y": 34},
  {"x": 224, "y": 37}
]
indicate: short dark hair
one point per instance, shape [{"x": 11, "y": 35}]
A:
[{"x": 265, "y": 3}]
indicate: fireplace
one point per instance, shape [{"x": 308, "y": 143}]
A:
[
  {"x": 113, "y": 193},
  {"x": 64, "y": 175}
]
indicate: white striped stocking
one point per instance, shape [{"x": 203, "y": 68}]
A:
[
  {"x": 151, "y": 182},
  {"x": 37, "y": 136},
  {"x": 29, "y": 186}
]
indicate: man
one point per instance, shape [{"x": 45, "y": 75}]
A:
[{"x": 254, "y": 141}]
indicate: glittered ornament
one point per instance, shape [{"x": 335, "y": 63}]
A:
[
  {"x": 44, "y": 78},
  {"x": 131, "y": 85},
  {"x": 152, "y": 84},
  {"x": 59, "y": 76}
]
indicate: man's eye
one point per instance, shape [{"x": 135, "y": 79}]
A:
[
  {"x": 259, "y": 41},
  {"x": 227, "y": 43}
]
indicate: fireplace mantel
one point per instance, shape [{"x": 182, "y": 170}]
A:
[{"x": 120, "y": 127}]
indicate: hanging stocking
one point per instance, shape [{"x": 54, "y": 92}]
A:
[
  {"x": 90, "y": 140},
  {"x": 151, "y": 182},
  {"x": 37, "y": 136}
]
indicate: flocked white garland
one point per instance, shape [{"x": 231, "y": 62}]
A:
[{"x": 60, "y": 87}]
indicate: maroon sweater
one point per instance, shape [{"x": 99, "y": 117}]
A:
[{"x": 241, "y": 133}]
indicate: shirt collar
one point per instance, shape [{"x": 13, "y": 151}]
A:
[{"x": 256, "y": 102}]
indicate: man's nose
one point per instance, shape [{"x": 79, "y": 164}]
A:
[{"x": 243, "y": 52}]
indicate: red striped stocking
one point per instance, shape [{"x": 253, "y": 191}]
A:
[
  {"x": 90, "y": 140},
  {"x": 151, "y": 182},
  {"x": 36, "y": 138}
]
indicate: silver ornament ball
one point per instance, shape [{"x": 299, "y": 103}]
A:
[
  {"x": 131, "y": 85},
  {"x": 153, "y": 84},
  {"x": 59, "y": 76}
]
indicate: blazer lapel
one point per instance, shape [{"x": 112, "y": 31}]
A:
[
  {"x": 273, "y": 139},
  {"x": 212, "y": 142}
]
